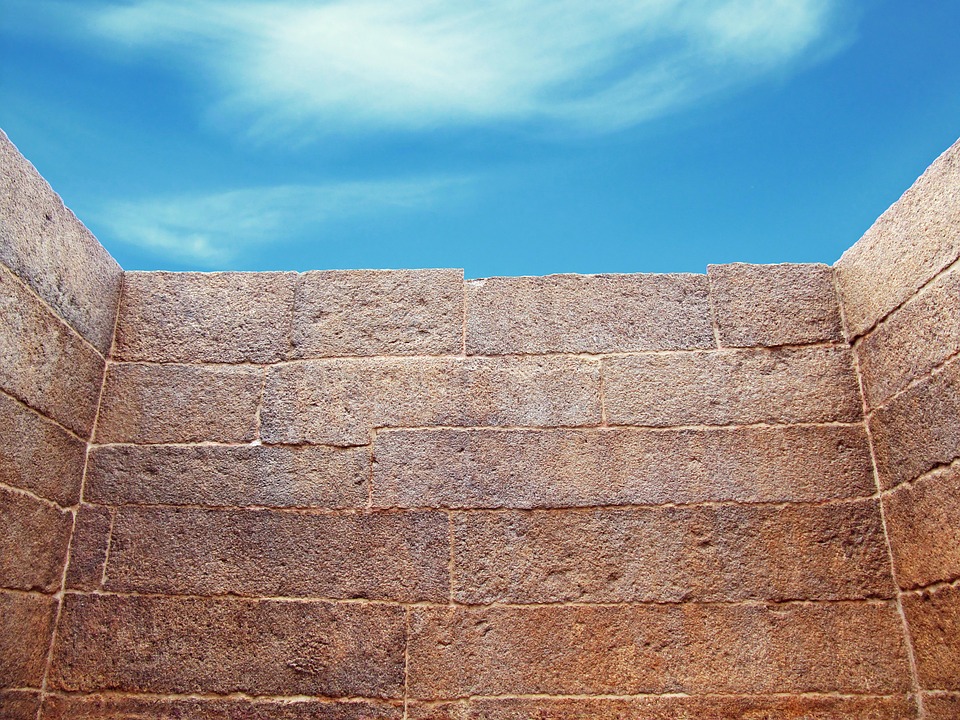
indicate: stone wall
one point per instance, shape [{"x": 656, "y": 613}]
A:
[{"x": 396, "y": 494}]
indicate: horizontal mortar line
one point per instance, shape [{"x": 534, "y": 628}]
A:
[
  {"x": 949, "y": 693},
  {"x": 38, "y": 498},
  {"x": 808, "y": 694},
  {"x": 35, "y": 593},
  {"x": 32, "y": 690},
  {"x": 615, "y": 427},
  {"x": 219, "y": 444},
  {"x": 42, "y": 415},
  {"x": 233, "y": 696},
  {"x": 932, "y": 372},
  {"x": 952, "y": 584},
  {"x": 926, "y": 474}
]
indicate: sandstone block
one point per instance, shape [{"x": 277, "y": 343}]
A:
[
  {"x": 179, "y": 403},
  {"x": 220, "y": 646},
  {"x": 378, "y": 312},
  {"x": 763, "y": 305},
  {"x": 487, "y": 468},
  {"x": 732, "y": 387},
  {"x": 88, "y": 549},
  {"x": 587, "y": 314},
  {"x": 43, "y": 363},
  {"x": 33, "y": 542},
  {"x": 934, "y": 620},
  {"x": 275, "y": 476},
  {"x": 19, "y": 704},
  {"x": 941, "y": 705},
  {"x": 338, "y": 401},
  {"x": 38, "y": 455},
  {"x": 225, "y": 317},
  {"x": 26, "y": 623},
  {"x": 908, "y": 245},
  {"x": 268, "y": 553},
  {"x": 45, "y": 245},
  {"x": 652, "y": 649}
]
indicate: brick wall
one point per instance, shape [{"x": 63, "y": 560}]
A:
[{"x": 389, "y": 494}]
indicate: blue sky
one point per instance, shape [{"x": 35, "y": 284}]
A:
[{"x": 507, "y": 137}]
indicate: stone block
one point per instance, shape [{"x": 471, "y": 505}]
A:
[
  {"x": 933, "y": 617},
  {"x": 378, "y": 312},
  {"x": 33, "y": 542},
  {"x": 273, "y": 476},
  {"x": 19, "y": 704},
  {"x": 337, "y": 402},
  {"x": 45, "y": 245},
  {"x": 179, "y": 403},
  {"x": 767, "y": 305},
  {"x": 228, "y": 645},
  {"x": 26, "y": 623},
  {"x": 486, "y": 468},
  {"x": 88, "y": 549},
  {"x": 223, "y": 317},
  {"x": 587, "y": 314},
  {"x": 941, "y": 705},
  {"x": 732, "y": 387}
]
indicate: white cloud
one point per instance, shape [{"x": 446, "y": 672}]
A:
[{"x": 291, "y": 68}]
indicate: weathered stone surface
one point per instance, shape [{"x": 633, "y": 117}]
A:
[
  {"x": 923, "y": 521},
  {"x": 378, "y": 312},
  {"x": 43, "y": 363},
  {"x": 19, "y": 704},
  {"x": 912, "y": 341},
  {"x": 941, "y": 705},
  {"x": 38, "y": 455},
  {"x": 732, "y": 387},
  {"x": 179, "y": 403},
  {"x": 88, "y": 549},
  {"x": 44, "y": 244},
  {"x": 918, "y": 430},
  {"x": 934, "y": 620},
  {"x": 588, "y": 314},
  {"x": 33, "y": 542},
  {"x": 26, "y": 623},
  {"x": 338, "y": 401},
  {"x": 225, "y": 317},
  {"x": 274, "y": 476},
  {"x": 909, "y": 244},
  {"x": 400, "y": 556},
  {"x": 625, "y": 650},
  {"x": 726, "y": 553},
  {"x": 763, "y": 305},
  {"x": 557, "y": 468},
  {"x": 168, "y": 645}
]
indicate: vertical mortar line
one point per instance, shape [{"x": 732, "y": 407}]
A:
[
  {"x": 106, "y": 553},
  {"x": 714, "y": 322},
  {"x": 603, "y": 399},
  {"x": 463, "y": 324},
  {"x": 450, "y": 559},
  {"x": 373, "y": 459},
  {"x": 257, "y": 440}
]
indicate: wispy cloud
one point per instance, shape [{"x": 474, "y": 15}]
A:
[{"x": 296, "y": 68}]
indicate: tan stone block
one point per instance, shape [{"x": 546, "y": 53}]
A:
[
  {"x": 378, "y": 312},
  {"x": 43, "y": 363},
  {"x": 19, "y": 704},
  {"x": 558, "y": 468},
  {"x": 88, "y": 548},
  {"x": 227, "y": 645},
  {"x": 44, "y": 244},
  {"x": 912, "y": 341},
  {"x": 179, "y": 403},
  {"x": 338, "y": 401},
  {"x": 26, "y": 623},
  {"x": 274, "y": 476},
  {"x": 908, "y": 245},
  {"x": 650, "y": 649},
  {"x": 726, "y": 553},
  {"x": 38, "y": 455},
  {"x": 226, "y": 317},
  {"x": 933, "y": 617},
  {"x": 918, "y": 430},
  {"x": 732, "y": 387},
  {"x": 400, "y": 556},
  {"x": 764, "y": 305},
  {"x": 33, "y": 542},
  {"x": 587, "y": 314},
  {"x": 941, "y": 705}
]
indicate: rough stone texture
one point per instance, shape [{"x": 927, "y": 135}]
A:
[
  {"x": 26, "y": 623},
  {"x": 378, "y": 312},
  {"x": 908, "y": 245},
  {"x": 38, "y": 455},
  {"x": 275, "y": 476},
  {"x": 33, "y": 542},
  {"x": 19, "y": 704},
  {"x": 732, "y": 387},
  {"x": 43, "y": 363},
  {"x": 941, "y": 706},
  {"x": 934, "y": 620},
  {"x": 558, "y": 468},
  {"x": 912, "y": 341},
  {"x": 587, "y": 314},
  {"x": 829, "y": 552},
  {"x": 168, "y": 645},
  {"x": 918, "y": 430},
  {"x": 45, "y": 245},
  {"x": 764, "y": 305},
  {"x": 226, "y": 317},
  {"x": 752, "y": 649},
  {"x": 179, "y": 403},
  {"x": 269, "y": 553},
  {"x": 338, "y": 401},
  {"x": 88, "y": 549}
]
